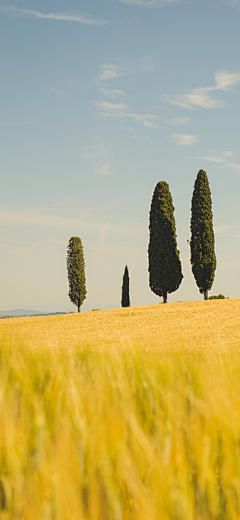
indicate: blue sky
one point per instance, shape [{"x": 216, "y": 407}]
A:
[{"x": 99, "y": 102}]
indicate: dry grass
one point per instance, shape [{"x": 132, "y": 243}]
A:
[
  {"x": 209, "y": 325},
  {"x": 150, "y": 432}
]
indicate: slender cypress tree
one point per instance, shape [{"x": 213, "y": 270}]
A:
[
  {"x": 203, "y": 257},
  {"x": 125, "y": 302},
  {"x": 76, "y": 272},
  {"x": 164, "y": 265}
]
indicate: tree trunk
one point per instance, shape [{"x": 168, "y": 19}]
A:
[
  {"x": 165, "y": 298},
  {"x": 206, "y": 295},
  {"x": 79, "y": 308}
]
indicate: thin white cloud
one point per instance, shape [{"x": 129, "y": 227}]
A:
[
  {"x": 95, "y": 150},
  {"x": 111, "y": 71},
  {"x": 30, "y": 219},
  {"x": 101, "y": 243},
  {"x": 184, "y": 139},
  {"x": 213, "y": 158},
  {"x": 201, "y": 97},
  {"x": 114, "y": 70},
  {"x": 182, "y": 120},
  {"x": 224, "y": 80},
  {"x": 222, "y": 158},
  {"x": 104, "y": 170},
  {"x": 10, "y": 218},
  {"x": 222, "y": 230},
  {"x": 122, "y": 111},
  {"x": 112, "y": 93},
  {"x": 110, "y": 106},
  {"x": 66, "y": 16},
  {"x": 227, "y": 153},
  {"x": 97, "y": 153},
  {"x": 147, "y": 120},
  {"x": 216, "y": 157},
  {"x": 198, "y": 97},
  {"x": 147, "y": 3},
  {"x": 234, "y": 166}
]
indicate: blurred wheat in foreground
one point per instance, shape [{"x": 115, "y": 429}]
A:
[{"x": 119, "y": 435}]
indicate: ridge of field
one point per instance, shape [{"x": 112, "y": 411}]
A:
[{"x": 207, "y": 325}]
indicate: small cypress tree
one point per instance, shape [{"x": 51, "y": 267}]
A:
[
  {"x": 76, "y": 272},
  {"x": 164, "y": 265},
  {"x": 125, "y": 302},
  {"x": 203, "y": 257}
]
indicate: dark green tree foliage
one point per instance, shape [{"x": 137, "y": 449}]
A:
[
  {"x": 125, "y": 302},
  {"x": 203, "y": 257},
  {"x": 218, "y": 297},
  {"x": 164, "y": 265},
  {"x": 76, "y": 272}
]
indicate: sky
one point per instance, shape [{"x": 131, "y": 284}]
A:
[{"x": 100, "y": 100}]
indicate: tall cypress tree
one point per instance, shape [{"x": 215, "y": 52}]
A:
[
  {"x": 164, "y": 265},
  {"x": 203, "y": 257},
  {"x": 125, "y": 302},
  {"x": 76, "y": 272}
]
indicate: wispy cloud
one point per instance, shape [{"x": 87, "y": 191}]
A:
[
  {"x": 225, "y": 80},
  {"x": 101, "y": 243},
  {"x": 148, "y": 3},
  {"x": 213, "y": 158},
  {"x": 29, "y": 218},
  {"x": 201, "y": 97},
  {"x": 234, "y": 166},
  {"x": 227, "y": 153},
  {"x": 32, "y": 219},
  {"x": 226, "y": 230},
  {"x": 111, "y": 71},
  {"x": 106, "y": 105},
  {"x": 114, "y": 70},
  {"x": 98, "y": 153},
  {"x": 95, "y": 150},
  {"x": 221, "y": 158},
  {"x": 178, "y": 121},
  {"x": 216, "y": 157},
  {"x": 122, "y": 111},
  {"x": 222, "y": 230},
  {"x": 112, "y": 93},
  {"x": 184, "y": 139},
  {"x": 104, "y": 170},
  {"x": 66, "y": 16}
]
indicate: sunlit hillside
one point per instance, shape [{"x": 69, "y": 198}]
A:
[
  {"x": 131, "y": 414},
  {"x": 204, "y": 325}
]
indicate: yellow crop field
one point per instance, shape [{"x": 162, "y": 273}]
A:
[
  {"x": 207, "y": 325},
  {"x": 127, "y": 414}
]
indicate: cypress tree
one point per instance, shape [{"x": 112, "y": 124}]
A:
[
  {"x": 164, "y": 265},
  {"x": 125, "y": 302},
  {"x": 76, "y": 272},
  {"x": 203, "y": 257}
]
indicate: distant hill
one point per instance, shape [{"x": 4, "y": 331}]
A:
[
  {"x": 24, "y": 312},
  {"x": 48, "y": 310}
]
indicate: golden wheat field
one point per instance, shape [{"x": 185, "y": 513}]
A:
[
  {"x": 130, "y": 414},
  {"x": 213, "y": 324}
]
